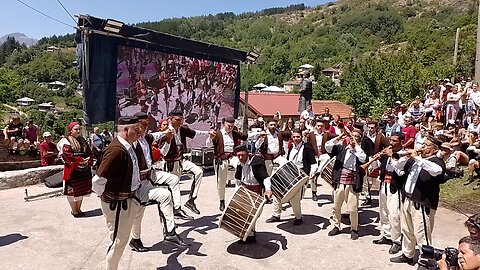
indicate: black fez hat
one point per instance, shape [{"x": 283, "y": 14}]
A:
[
  {"x": 358, "y": 125},
  {"x": 230, "y": 120},
  {"x": 175, "y": 113},
  {"x": 241, "y": 147},
  {"x": 141, "y": 115},
  {"x": 127, "y": 120}
]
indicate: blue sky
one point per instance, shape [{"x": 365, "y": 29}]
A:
[{"x": 16, "y": 17}]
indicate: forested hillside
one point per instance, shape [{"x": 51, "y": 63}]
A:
[{"x": 388, "y": 50}]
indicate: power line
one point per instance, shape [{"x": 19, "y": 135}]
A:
[
  {"x": 46, "y": 15},
  {"x": 64, "y": 8}
]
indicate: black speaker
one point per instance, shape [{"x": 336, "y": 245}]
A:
[{"x": 202, "y": 156}]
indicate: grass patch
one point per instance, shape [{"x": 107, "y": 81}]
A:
[{"x": 454, "y": 195}]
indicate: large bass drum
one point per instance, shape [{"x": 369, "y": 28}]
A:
[
  {"x": 287, "y": 181},
  {"x": 326, "y": 173},
  {"x": 241, "y": 213}
]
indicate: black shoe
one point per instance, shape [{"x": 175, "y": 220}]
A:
[
  {"x": 402, "y": 259},
  {"x": 298, "y": 221},
  {"x": 222, "y": 205},
  {"x": 190, "y": 204},
  {"x": 175, "y": 239},
  {"x": 314, "y": 196},
  {"x": 395, "y": 248},
  {"x": 354, "y": 234},
  {"x": 477, "y": 186},
  {"x": 367, "y": 202},
  {"x": 137, "y": 245},
  {"x": 230, "y": 185},
  {"x": 334, "y": 231},
  {"x": 273, "y": 219},
  {"x": 179, "y": 213},
  {"x": 382, "y": 241},
  {"x": 468, "y": 181}
]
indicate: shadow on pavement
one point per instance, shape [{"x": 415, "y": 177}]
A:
[
  {"x": 11, "y": 238},
  {"x": 93, "y": 213},
  {"x": 201, "y": 225},
  {"x": 309, "y": 225},
  {"x": 267, "y": 245}
]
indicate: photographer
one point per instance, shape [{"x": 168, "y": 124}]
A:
[
  {"x": 473, "y": 226},
  {"x": 468, "y": 255}
]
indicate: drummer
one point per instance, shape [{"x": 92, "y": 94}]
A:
[
  {"x": 303, "y": 155},
  {"x": 251, "y": 173}
]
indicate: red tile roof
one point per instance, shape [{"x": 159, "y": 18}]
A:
[{"x": 267, "y": 104}]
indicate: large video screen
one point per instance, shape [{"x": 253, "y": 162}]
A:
[{"x": 157, "y": 82}]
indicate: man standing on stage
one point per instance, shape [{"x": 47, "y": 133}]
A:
[
  {"x": 420, "y": 196},
  {"x": 174, "y": 161},
  {"x": 347, "y": 178},
  {"x": 224, "y": 142},
  {"x": 251, "y": 173},
  {"x": 302, "y": 154},
  {"x": 151, "y": 178},
  {"x": 117, "y": 183}
]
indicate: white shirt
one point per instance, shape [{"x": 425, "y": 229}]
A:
[
  {"x": 420, "y": 163},
  {"x": 472, "y": 127},
  {"x": 249, "y": 179},
  {"x": 351, "y": 155},
  {"x": 273, "y": 146},
  {"x": 296, "y": 155},
  {"x": 146, "y": 148},
  {"x": 307, "y": 115},
  {"x": 98, "y": 183}
]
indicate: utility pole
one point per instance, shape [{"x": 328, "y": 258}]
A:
[
  {"x": 477, "y": 58},
  {"x": 455, "y": 53},
  {"x": 245, "y": 108}
]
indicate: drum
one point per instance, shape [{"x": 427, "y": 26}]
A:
[
  {"x": 287, "y": 180},
  {"x": 242, "y": 212},
  {"x": 327, "y": 171}
]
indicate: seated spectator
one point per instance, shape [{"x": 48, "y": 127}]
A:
[
  {"x": 391, "y": 126},
  {"x": 409, "y": 133},
  {"x": 475, "y": 125},
  {"x": 474, "y": 98},
  {"x": 308, "y": 113},
  {"x": 30, "y": 136},
  {"x": 432, "y": 104},
  {"x": 13, "y": 133},
  {"x": 48, "y": 150},
  {"x": 417, "y": 111},
  {"x": 420, "y": 138},
  {"x": 327, "y": 114},
  {"x": 451, "y": 159}
]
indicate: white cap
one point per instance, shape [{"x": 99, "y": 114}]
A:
[{"x": 47, "y": 134}]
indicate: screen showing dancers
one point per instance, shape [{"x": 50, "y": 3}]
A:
[{"x": 157, "y": 83}]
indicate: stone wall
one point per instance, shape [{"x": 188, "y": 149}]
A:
[{"x": 20, "y": 178}]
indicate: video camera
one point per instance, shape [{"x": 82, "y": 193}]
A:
[{"x": 429, "y": 252}]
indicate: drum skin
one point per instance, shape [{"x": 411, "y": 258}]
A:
[
  {"x": 242, "y": 211},
  {"x": 327, "y": 172},
  {"x": 287, "y": 180}
]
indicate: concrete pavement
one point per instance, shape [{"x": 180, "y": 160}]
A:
[{"x": 41, "y": 234}]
